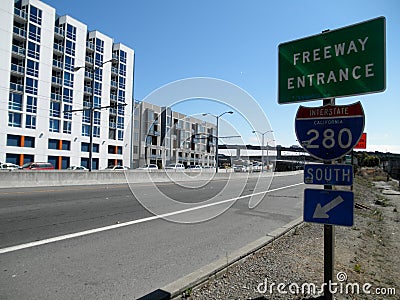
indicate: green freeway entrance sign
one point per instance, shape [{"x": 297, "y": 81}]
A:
[{"x": 343, "y": 62}]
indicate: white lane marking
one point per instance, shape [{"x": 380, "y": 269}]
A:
[{"x": 87, "y": 232}]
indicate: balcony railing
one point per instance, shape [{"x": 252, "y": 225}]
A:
[
  {"x": 18, "y": 50},
  {"x": 59, "y": 48},
  {"x": 113, "y": 97},
  {"x": 20, "y": 13},
  {"x": 59, "y": 31},
  {"x": 16, "y": 87},
  {"x": 57, "y": 63},
  {"x": 89, "y": 59},
  {"x": 90, "y": 45},
  {"x": 20, "y": 32},
  {"x": 56, "y": 96},
  {"x": 114, "y": 84},
  {"x": 87, "y": 90},
  {"x": 18, "y": 69},
  {"x": 56, "y": 80}
]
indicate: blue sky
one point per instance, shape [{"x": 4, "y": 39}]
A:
[{"x": 237, "y": 41}]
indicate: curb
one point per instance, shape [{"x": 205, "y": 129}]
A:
[{"x": 178, "y": 287}]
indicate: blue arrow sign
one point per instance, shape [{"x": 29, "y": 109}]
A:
[
  {"x": 328, "y": 174},
  {"x": 329, "y": 207},
  {"x": 331, "y": 131}
]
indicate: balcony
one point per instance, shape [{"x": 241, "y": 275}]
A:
[
  {"x": 113, "y": 111},
  {"x": 16, "y": 69},
  {"x": 56, "y": 80},
  {"x": 19, "y": 33},
  {"x": 113, "y": 125},
  {"x": 113, "y": 97},
  {"x": 59, "y": 32},
  {"x": 87, "y": 90},
  {"x": 88, "y": 75},
  {"x": 56, "y": 96},
  {"x": 58, "y": 48},
  {"x": 114, "y": 84},
  {"x": 90, "y": 46},
  {"x": 20, "y": 14},
  {"x": 19, "y": 51},
  {"x": 16, "y": 87},
  {"x": 114, "y": 70},
  {"x": 89, "y": 60},
  {"x": 58, "y": 64}
]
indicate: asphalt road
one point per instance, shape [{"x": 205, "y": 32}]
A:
[{"x": 124, "y": 241}]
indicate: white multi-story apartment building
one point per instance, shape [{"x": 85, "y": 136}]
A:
[{"x": 55, "y": 75}]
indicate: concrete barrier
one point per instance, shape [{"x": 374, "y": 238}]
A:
[{"x": 15, "y": 179}]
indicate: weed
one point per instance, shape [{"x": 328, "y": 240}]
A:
[{"x": 357, "y": 268}]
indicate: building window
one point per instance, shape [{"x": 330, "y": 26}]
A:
[
  {"x": 121, "y": 96},
  {"x": 120, "y": 135},
  {"x": 15, "y": 101},
  {"x": 33, "y": 50},
  {"x": 29, "y": 142},
  {"x": 96, "y": 117},
  {"x": 67, "y": 112},
  {"x": 70, "y": 47},
  {"x": 54, "y": 125},
  {"x": 98, "y": 59},
  {"x": 71, "y": 32},
  {"x": 55, "y": 109},
  {"x": 98, "y": 74},
  {"x": 99, "y": 45},
  {"x": 85, "y": 130},
  {"x": 136, "y": 136},
  {"x": 32, "y": 68},
  {"x": 13, "y": 140},
  {"x": 86, "y": 146},
  {"x": 86, "y": 116},
  {"x": 97, "y": 102},
  {"x": 67, "y": 95},
  {"x": 122, "y": 82},
  {"x": 122, "y": 69},
  {"x": 96, "y": 131},
  {"x": 31, "y": 104},
  {"x": 135, "y": 149},
  {"x": 14, "y": 119},
  {"x": 69, "y": 63},
  {"x": 35, "y": 15},
  {"x": 122, "y": 56},
  {"x": 121, "y": 110},
  {"x": 34, "y": 33},
  {"x": 120, "y": 122},
  {"x": 53, "y": 144},
  {"x": 97, "y": 88},
  {"x": 119, "y": 150},
  {"x": 30, "y": 122},
  {"x": 67, "y": 127},
  {"x": 66, "y": 145},
  {"x": 31, "y": 86},
  {"x": 69, "y": 79}
]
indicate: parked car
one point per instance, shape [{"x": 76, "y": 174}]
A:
[
  {"x": 78, "y": 168},
  {"x": 38, "y": 166},
  {"x": 9, "y": 166},
  {"x": 117, "y": 168},
  {"x": 149, "y": 167},
  {"x": 195, "y": 167},
  {"x": 175, "y": 167}
]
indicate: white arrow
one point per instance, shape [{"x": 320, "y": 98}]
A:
[{"x": 321, "y": 212}]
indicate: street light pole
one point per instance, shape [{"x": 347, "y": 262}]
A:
[
  {"x": 262, "y": 147},
  {"x": 216, "y": 138}
]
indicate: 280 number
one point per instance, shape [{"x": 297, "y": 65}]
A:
[{"x": 329, "y": 140}]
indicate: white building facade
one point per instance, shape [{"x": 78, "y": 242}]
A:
[{"x": 55, "y": 74}]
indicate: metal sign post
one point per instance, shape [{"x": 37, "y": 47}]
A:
[{"x": 329, "y": 238}]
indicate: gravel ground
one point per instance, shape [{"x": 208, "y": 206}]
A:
[{"x": 367, "y": 253}]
